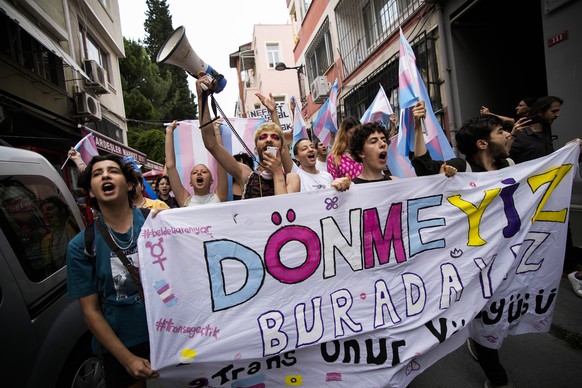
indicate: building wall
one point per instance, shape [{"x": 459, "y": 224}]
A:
[
  {"x": 104, "y": 24},
  {"x": 268, "y": 80},
  {"x": 523, "y": 64},
  {"x": 563, "y": 63},
  {"x": 279, "y": 83},
  {"x": 39, "y": 90},
  {"x": 485, "y": 57}
]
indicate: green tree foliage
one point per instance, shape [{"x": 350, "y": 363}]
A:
[
  {"x": 144, "y": 91},
  {"x": 153, "y": 93},
  {"x": 152, "y": 140},
  {"x": 158, "y": 26},
  {"x": 180, "y": 102}
]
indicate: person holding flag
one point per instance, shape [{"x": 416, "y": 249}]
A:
[
  {"x": 482, "y": 140},
  {"x": 299, "y": 128},
  {"x": 486, "y": 147},
  {"x": 82, "y": 152},
  {"x": 411, "y": 90},
  {"x": 75, "y": 156},
  {"x": 325, "y": 124}
]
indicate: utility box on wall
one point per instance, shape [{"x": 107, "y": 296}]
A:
[{"x": 320, "y": 89}]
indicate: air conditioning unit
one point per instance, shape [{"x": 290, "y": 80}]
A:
[
  {"x": 97, "y": 75},
  {"x": 320, "y": 89},
  {"x": 88, "y": 106}
]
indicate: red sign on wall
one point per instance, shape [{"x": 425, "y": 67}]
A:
[{"x": 558, "y": 38}]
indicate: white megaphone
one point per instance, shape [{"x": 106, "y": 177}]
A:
[{"x": 177, "y": 51}]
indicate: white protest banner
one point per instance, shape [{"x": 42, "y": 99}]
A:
[
  {"x": 365, "y": 288},
  {"x": 282, "y": 112}
]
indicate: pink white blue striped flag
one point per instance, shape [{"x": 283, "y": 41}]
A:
[
  {"x": 87, "y": 147},
  {"x": 379, "y": 111},
  {"x": 326, "y": 122},
  {"x": 411, "y": 89},
  {"x": 299, "y": 128},
  {"x": 190, "y": 151},
  {"x": 398, "y": 165}
]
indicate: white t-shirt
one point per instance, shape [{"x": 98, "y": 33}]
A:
[
  {"x": 310, "y": 182},
  {"x": 321, "y": 166},
  {"x": 196, "y": 200}
]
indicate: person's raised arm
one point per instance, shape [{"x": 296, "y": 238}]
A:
[
  {"x": 221, "y": 177},
  {"x": 419, "y": 113},
  {"x": 518, "y": 128},
  {"x": 485, "y": 111},
  {"x": 270, "y": 104},
  {"x": 239, "y": 171},
  {"x": 178, "y": 188},
  {"x": 75, "y": 156}
]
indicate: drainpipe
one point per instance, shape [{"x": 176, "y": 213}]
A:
[{"x": 451, "y": 102}]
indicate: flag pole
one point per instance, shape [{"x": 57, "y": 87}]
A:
[{"x": 68, "y": 157}]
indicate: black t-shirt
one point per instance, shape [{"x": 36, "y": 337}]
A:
[
  {"x": 360, "y": 180},
  {"x": 530, "y": 145}
]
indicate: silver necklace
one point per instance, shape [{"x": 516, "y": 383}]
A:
[{"x": 117, "y": 241}]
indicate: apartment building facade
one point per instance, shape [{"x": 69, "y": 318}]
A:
[
  {"x": 59, "y": 65},
  {"x": 256, "y": 65},
  {"x": 469, "y": 52}
]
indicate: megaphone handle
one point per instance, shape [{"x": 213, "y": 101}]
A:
[{"x": 203, "y": 107}]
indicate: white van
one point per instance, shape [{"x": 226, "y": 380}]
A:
[{"x": 45, "y": 342}]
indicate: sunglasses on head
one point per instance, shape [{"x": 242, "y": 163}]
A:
[{"x": 273, "y": 136}]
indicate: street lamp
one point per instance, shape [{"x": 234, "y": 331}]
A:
[{"x": 280, "y": 66}]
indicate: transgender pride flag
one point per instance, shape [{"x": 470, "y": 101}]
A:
[
  {"x": 411, "y": 89},
  {"x": 87, "y": 147},
  {"x": 190, "y": 151},
  {"x": 299, "y": 128},
  {"x": 326, "y": 122},
  {"x": 379, "y": 111}
]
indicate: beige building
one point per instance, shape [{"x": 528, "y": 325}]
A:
[
  {"x": 256, "y": 64},
  {"x": 59, "y": 66}
]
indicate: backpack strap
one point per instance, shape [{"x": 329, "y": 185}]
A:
[
  {"x": 468, "y": 168},
  {"x": 510, "y": 162},
  {"x": 145, "y": 212},
  {"x": 90, "y": 242}
]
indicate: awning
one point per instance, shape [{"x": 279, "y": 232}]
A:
[
  {"x": 153, "y": 174},
  {"x": 41, "y": 37},
  {"x": 109, "y": 145}
]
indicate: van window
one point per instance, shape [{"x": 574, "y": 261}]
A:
[{"x": 37, "y": 222}]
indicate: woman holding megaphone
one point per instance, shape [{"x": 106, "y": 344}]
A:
[{"x": 269, "y": 177}]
